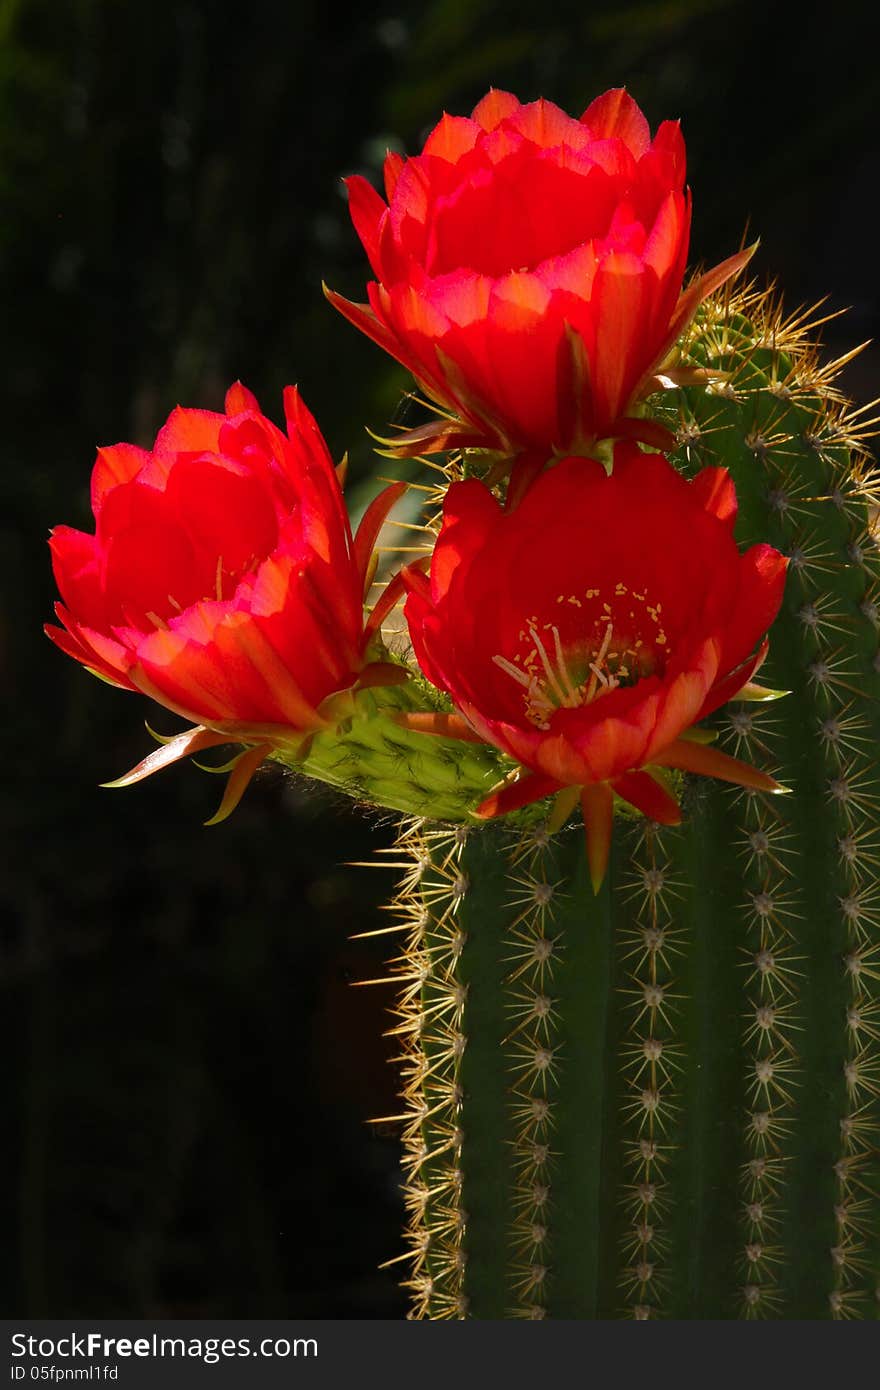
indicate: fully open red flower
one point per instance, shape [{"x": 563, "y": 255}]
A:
[
  {"x": 222, "y": 578},
  {"x": 586, "y": 631},
  {"x": 529, "y": 270}
]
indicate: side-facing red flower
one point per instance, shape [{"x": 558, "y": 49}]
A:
[
  {"x": 529, "y": 271},
  {"x": 586, "y": 631},
  {"x": 223, "y": 580}
]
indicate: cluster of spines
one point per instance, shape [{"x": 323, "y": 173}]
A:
[
  {"x": 822, "y": 491},
  {"x": 771, "y": 1019},
  {"x": 649, "y": 1060},
  {"x": 430, "y": 1027},
  {"x": 532, "y": 1048}
]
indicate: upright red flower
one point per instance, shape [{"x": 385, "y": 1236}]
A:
[
  {"x": 223, "y": 579},
  {"x": 529, "y": 271},
  {"x": 587, "y": 631}
]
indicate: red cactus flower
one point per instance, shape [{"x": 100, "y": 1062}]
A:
[
  {"x": 529, "y": 271},
  {"x": 223, "y": 580},
  {"x": 587, "y": 631}
]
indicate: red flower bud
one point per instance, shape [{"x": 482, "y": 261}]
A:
[
  {"x": 586, "y": 631},
  {"x": 222, "y": 579},
  {"x": 529, "y": 270}
]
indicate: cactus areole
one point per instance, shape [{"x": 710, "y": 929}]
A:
[{"x": 641, "y": 1075}]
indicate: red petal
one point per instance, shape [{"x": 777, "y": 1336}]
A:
[
  {"x": 371, "y": 524},
  {"x": 728, "y": 688},
  {"x": 239, "y": 400},
  {"x": 115, "y": 464},
  {"x": 620, "y": 311},
  {"x": 711, "y": 762},
  {"x": 452, "y": 137},
  {"x": 188, "y": 432},
  {"x": 367, "y": 210},
  {"x": 394, "y": 162}
]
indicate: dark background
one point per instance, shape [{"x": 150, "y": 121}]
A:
[{"x": 186, "y": 1070}]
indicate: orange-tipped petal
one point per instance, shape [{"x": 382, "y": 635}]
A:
[
  {"x": 710, "y": 762},
  {"x": 440, "y": 725},
  {"x": 597, "y": 804},
  {"x": 239, "y": 399},
  {"x": 715, "y": 489},
  {"x": 191, "y": 741},
  {"x": 245, "y": 767}
]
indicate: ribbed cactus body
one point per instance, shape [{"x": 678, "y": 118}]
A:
[{"x": 661, "y": 1101}]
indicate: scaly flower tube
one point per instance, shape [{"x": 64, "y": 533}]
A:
[
  {"x": 529, "y": 273},
  {"x": 586, "y": 631},
  {"x": 223, "y": 581}
]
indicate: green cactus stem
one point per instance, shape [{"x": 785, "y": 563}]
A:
[{"x": 662, "y": 1101}]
